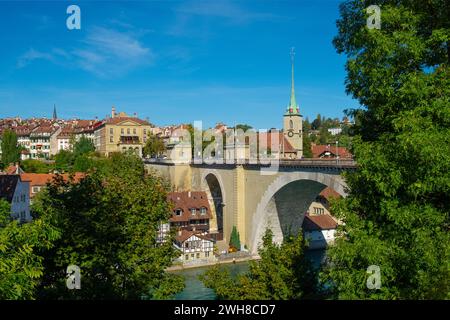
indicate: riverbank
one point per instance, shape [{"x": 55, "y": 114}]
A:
[{"x": 213, "y": 263}]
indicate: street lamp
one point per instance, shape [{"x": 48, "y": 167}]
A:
[{"x": 337, "y": 152}]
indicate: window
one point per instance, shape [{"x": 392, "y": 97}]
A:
[
  {"x": 111, "y": 131},
  {"x": 145, "y": 132},
  {"x": 134, "y": 131},
  {"x": 319, "y": 210},
  {"x": 203, "y": 211},
  {"x": 186, "y": 257},
  {"x": 207, "y": 254},
  {"x": 193, "y": 211},
  {"x": 198, "y": 255},
  {"x": 178, "y": 212},
  {"x": 192, "y": 255},
  {"x": 128, "y": 131},
  {"x": 122, "y": 131},
  {"x": 111, "y": 139},
  {"x": 291, "y": 124}
]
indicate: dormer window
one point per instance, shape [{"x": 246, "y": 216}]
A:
[
  {"x": 203, "y": 211},
  {"x": 193, "y": 211},
  {"x": 178, "y": 212}
]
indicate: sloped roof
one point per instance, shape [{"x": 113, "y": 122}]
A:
[
  {"x": 8, "y": 183},
  {"x": 318, "y": 150},
  {"x": 117, "y": 120},
  {"x": 182, "y": 200},
  {"x": 184, "y": 235},
  {"x": 329, "y": 193},
  {"x": 41, "y": 179},
  {"x": 317, "y": 223}
]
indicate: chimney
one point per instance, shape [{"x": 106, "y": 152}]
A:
[
  {"x": 189, "y": 194},
  {"x": 113, "y": 112},
  {"x": 179, "y": 232}
]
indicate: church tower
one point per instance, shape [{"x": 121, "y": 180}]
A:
[
  {"x": 292, "y": 120},
  {"x": 55, "y": 117}
]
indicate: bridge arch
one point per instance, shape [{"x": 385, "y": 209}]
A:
[
  {"x": 212, "y": 183},
  {"x": 264, "y": 216}
]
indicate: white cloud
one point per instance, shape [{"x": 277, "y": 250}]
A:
[
  {"x": 32, "y": 55},
  {"x": 103, "y": 52}
]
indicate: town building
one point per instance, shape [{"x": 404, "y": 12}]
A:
[
  {"x": 335, "y": 131},
  {"x": 44, "y": 142},
  {"x": 321, "y": 205},
  {"x": 121, "y": 133},
  {"x": 194, "y": 246},
  {"x": 16, "y": 192},
  {"x": 190, "y": 219},
  {"x": 38, "y": 181},
  {"x": 192, "y": 211},
  {"x": 319, "y": 226},
  {"x": 319, "y": 230},
  {"x": 330, "y": 152},
  {"x": 65, "y": 138}
]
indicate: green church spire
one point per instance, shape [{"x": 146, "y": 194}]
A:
[{"x": 292, "y": 107}]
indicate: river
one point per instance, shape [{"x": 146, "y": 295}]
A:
[{"x": 195, "y": 290}]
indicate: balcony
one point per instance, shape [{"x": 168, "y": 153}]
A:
[{"x": 129, "y": 140}]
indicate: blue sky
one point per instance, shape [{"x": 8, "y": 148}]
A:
[{"x": 171, "y": 61}]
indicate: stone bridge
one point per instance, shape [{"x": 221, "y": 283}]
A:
[{"x": 242, "y": 195}]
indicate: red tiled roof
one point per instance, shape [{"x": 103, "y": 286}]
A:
[
  {"x": 319, "y": 150},
  {"x": 117, "y": 120},
  {"x": 182, "y": 200},
  {"x": 329, "y": 193},
  {"x": 317, "y": 223},
  {"x": 41, "y": 179},
  {"x": 184, "y": 235}
]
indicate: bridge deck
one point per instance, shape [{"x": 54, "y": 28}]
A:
[{"x": 316, "y": 163}]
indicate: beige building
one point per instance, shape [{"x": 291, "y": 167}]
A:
[{"x": 121, "y": 133}]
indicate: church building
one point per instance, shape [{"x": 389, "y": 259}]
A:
[{"x": 292, "y": 125}]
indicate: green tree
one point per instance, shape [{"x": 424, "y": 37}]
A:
[
  {"x": 317, "y": 123},
  {"x": 35, "y": 166},
  {"x": 10, "y": 148},
  {"x": 283, "y": 273},
  {"x": 21, "y": 267},
  {"x": 397, "y": 212},
  {"x": 235, "y": 241},
  {"x": 243, "y": 127},
  {"x": 154, "y": 146},
  {"x": 83, "y": 146},
  {"x": 108, "y": 223},
  {"x": 307, "y": 153},
  {"x": 64, "y": 160}
]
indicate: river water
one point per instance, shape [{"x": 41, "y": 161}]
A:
[{"x": 195, "y": 290}]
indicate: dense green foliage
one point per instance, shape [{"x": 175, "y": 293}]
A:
[
  {"x": 235, "y": 241},
  {"x": 282, "y": 273},
  {"x": 36, "y": 166},
  {"x": 21, "y": 265},
  {"x": 397, "y": 212},
  {"x": 10, "y": 148},
  {"x": 78, "y": 159},
  {"x": 108, "y": 223},
  {"x": 154, "y": 146}
]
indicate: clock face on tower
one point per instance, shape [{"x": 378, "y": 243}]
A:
[{"x": 290, "y": 133}]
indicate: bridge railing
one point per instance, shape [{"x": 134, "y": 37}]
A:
[{"x": 339, "y": 163}]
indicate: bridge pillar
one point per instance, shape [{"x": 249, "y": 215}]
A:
[{"x": 239, "y": 197}]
